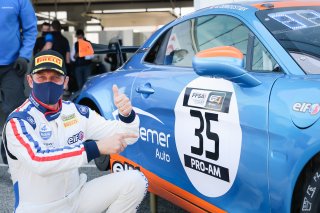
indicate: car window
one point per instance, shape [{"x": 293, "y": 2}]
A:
[
  {"x": 180, "y": 49},
  {"x": 155, "y": 55},
  {"x": 221, "y": 30},
  {"x": 262, "y": 60},
  {"x": 178, "y": 45},
  {"x": 297, "y": 29}
]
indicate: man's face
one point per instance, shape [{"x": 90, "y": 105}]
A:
[
  {"x": 45, "y": 28},
  {"x": 79, "y": 37},
  {"x": 47, "y": 76}
]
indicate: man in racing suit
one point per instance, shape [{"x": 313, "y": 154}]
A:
[{"x": 48, "y": 139}]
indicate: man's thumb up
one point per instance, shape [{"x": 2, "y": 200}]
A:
[
  {"x": 115, "y": 91},
  {"x": 121, "y": 101}
]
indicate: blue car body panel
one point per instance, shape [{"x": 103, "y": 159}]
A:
[{"x": 273, "y": 148}]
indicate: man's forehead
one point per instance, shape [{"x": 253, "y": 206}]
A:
[{"x": 48, "y": 72}]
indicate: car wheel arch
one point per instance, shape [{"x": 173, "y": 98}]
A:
[
  {"x": 91, "y": 104},
  {"x": 102, "y": 162}
]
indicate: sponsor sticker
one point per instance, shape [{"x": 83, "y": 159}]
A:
[
  {"x": 83, "y": 109},
  {"x": 155, "y": 136},
  {"x": 75, "y": 138},
  {"x": 69, "y": 120},
  {"x": 45, "y": 132},
  {"x": 207, "y": 99},
  {"x": 48, "y": 59},
  {"x": 31, "y": 120},
  {"x": 311, "y": 108},
  {"x": 70, "y": 123},
  {"x": 118, "y": 166},
  {"x": 232, "y": 7},
  {"x": 208, "y": 134}
]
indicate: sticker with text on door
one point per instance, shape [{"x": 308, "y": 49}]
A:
[{"x": 208, "y": 134}]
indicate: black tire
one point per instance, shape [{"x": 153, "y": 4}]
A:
[
  {"x": 103, "y": 162},
  {"x": 307, "y": 193}
]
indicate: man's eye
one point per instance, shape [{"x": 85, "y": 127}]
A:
[{"x": 57, "y": 78}]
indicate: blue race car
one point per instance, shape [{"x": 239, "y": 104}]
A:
[{"x": 229, "y": 101}]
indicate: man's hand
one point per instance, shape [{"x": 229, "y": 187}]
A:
[
  {"x": 21, "y": 66},
  {"x": 122, "y": 102},
  {"x": 114, "y": 144},
  {"x": 47, "y": 46}
]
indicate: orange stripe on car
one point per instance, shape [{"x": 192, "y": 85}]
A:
[
  {"x": 264, "y": 5},
  {"x": 169, "y": 191},
  {"x": 225, "y": 51}
]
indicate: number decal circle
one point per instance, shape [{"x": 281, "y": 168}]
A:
[{"x": 208, "y": 134}]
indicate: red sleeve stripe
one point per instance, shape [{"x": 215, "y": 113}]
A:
[{"x": 45, "y": 158}]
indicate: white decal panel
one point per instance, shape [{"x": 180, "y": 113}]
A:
[{"x": 208, "y": 134}]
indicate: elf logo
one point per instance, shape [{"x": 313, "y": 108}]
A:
[
  {"x": 118, "y": 166},
  {"x": 75, "y": 138},
  {"x": 313, "y": 109}
]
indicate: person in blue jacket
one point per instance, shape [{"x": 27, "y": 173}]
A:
[{"x": 18, "y": 24}]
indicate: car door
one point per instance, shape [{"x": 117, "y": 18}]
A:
[{"x": 208, "y": 136}]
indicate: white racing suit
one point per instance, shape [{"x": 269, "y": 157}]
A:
[{"x": 47, "y": 148}]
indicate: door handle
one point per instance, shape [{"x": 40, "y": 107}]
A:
[{"x": 145, "y": 89}]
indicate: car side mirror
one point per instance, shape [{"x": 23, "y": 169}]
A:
[{"x": 224, "y": 62}]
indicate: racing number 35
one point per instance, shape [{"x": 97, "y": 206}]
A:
[{"x": 210, "y": 135}]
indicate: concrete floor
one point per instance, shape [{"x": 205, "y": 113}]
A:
[{"x": 7, "y": 197}]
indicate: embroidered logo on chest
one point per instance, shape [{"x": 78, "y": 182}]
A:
[
  {"x": 75, "y": 138},
  {"x": 69, "y": 120},
  {"x": 45, "y": 131}
]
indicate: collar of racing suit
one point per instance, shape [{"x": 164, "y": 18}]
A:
[{"x": 48, "y": 113}]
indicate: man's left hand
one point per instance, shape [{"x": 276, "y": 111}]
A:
[
  {"x": 121, "y": 101},
  {"x": 21, "y": 66}
]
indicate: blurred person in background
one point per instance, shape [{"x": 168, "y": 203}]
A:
[
  {"x": 18, "y": 24},
  {"x": 57, "y": 42},
  {"x": 41, "y": 40},
  {"x": 60, "y": 43},
  {"x": 82, "y": 65}
]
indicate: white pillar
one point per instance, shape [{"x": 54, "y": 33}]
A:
[
  {"x": 127, "y": 37},
  {"x": 103, "y": 38}
]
